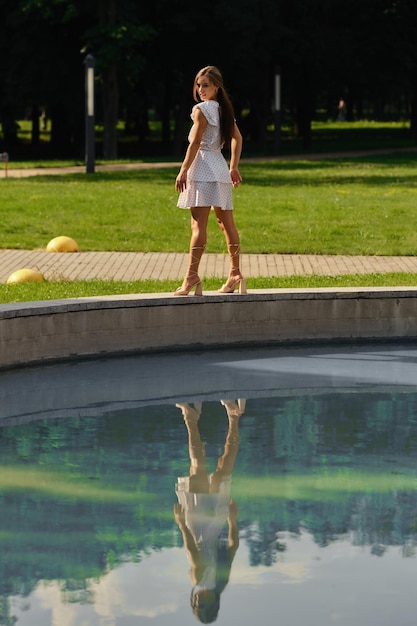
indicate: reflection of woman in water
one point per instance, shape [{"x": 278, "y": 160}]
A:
[{"x": 204, "y": 505}]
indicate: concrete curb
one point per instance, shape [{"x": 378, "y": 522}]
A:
[{"x": 42, "y": 332}]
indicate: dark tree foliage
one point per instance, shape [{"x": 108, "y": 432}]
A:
[{"x": 148, "y": 53}]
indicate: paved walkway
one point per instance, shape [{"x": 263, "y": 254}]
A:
[
  {"x": 124, "y": 167},
  {"x": 126, "y": 266}
]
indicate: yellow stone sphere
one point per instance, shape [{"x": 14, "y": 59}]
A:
[
  {"x": 25, "y": 275},
  {"x": 62, "y": 244}
]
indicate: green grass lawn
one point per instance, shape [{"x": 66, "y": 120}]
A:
[
  {"x": 362, "y": 205},
  {"x": 51, "y": 290},
  {"x": 329, "y": 206}
]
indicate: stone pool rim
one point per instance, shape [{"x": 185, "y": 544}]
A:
[{"x": 79, "y": 328}]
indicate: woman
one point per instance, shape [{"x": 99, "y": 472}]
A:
[{"x": 205, "y": 181}]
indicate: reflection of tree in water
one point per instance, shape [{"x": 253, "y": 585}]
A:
[
  {"x": 138, "y": 453},
  {"x": 378, "y": 521},
  {"x": 264, "y": 545},
  {"x": 6, "y": 619},
  {"x": 374, "y": 520},
  {"x": 376, "y": 432}
]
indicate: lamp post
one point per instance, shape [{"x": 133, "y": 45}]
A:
[
  {"x": 277, "y": 110},
  {"x": 89, "y": 114}
]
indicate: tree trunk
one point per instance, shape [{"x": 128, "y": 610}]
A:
[
  {"x": 9, "y": 127},
  {"x": 107, "y": 10},
  {"x": 413, "y": 114},
  {"x": 166, "y": 111},
  {"x": 60, "y": 131},
  {"x": 35, "y": 114},
  {"x": 255, "y": 127},
  {"x": 181, "y": 117},
  {"x": 304, "y": 107},
  {"x": 110, "y": 112}
]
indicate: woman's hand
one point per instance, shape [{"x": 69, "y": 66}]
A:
[
  {"x": 181, "y": 182},
  {"x": 236, "y": 177}
]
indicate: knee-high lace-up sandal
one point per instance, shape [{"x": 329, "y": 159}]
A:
[
  {"x": 235, "y": 277},
  {"x": 192, "y": 280}
]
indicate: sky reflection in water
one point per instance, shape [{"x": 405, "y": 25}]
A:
[{"x": 324, "y": 481}]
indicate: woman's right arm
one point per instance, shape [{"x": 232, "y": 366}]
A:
[
  {"x": 197, "y": 567},
  {"x": 200, "y": 125}
]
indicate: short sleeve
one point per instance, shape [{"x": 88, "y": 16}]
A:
[{"x": 210, "y": 110}]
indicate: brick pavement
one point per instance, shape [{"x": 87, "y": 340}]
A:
[{"x": 126, "y": 266}]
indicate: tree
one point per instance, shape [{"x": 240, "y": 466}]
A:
[
  {"x": 148, "y": 53},
  {"x": 113, "y": 40}
]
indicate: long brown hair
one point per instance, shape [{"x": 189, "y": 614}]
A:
[{"x": 227, "y": 114}]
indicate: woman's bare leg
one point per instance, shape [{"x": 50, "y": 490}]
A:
[
  {"x": 196, "y": 448},
  {"x": 227, "y": 225},
  {"x": 199, "y": 219},
  {"x": 226, "y": 462}
]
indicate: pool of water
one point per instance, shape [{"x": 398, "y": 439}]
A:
[{"x": 276, "y": 486}]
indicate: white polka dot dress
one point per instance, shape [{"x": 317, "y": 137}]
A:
[{"x": 208, "y": 179}]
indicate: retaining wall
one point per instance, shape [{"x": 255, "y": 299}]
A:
[{"x": 45, "y": 331}]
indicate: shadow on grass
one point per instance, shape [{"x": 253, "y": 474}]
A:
[{"x": 392, "y": 169}]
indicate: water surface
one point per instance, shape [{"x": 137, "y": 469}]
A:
[{"x": 322, "y": 509}]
